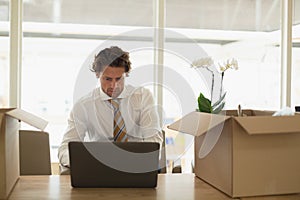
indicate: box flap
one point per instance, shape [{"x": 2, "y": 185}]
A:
[
  {"x": 197, "y": 123},
  {"x": 4, "y": 110},
  {"x": 270, "y": 124},
  {"x": 29, "y": 118}
]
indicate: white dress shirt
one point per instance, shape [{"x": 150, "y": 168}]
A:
[{"x": 91, "y": 119}]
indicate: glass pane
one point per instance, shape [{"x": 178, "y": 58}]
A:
[
  {"x": 57, "y": 57},
  {"x": 101, "y": 12},
  {"x": 247, "y": 15},
  {"x": 4, "y": 53},
  {"x": 247, "y": 31},
  {"x": 295, "y": 56}
]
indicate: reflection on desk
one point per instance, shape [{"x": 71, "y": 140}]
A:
[{"x": 170, "y": 186}]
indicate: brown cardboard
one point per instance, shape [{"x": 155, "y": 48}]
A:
[
  {"x": 9, "y": 146},
  {"x": 34, "y": 153},
  {"x": 253, "y": 155}
]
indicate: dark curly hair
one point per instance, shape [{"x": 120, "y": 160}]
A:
[{"x": 113, "y": 57}]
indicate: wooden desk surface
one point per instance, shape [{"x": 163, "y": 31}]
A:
[{"x": 170, "y": 186}]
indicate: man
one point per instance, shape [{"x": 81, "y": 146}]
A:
[{"x": 94, "y": 115}]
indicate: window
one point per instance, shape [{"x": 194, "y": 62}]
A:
[
  {"x": 4, "y": 53},
  {"x": 60, "y": 40},
  {"x": 295, "y": 56},
  {"x": 251, "y": 36},
  {"x": 61, "y": 37}
]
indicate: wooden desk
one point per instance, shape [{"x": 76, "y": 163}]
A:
[{"x": 170, "y": 186}]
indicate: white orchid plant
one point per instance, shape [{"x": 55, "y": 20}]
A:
[{"x": 205, "y": 104}]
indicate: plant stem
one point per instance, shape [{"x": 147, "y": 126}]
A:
[
  {"x": 212, "y": 83},
  {"x": 222, "y": 76}
]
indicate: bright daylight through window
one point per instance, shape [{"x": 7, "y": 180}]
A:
[{"x": 58, "y": 37}]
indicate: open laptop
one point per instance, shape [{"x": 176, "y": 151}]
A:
[{"x": 114, "y": 164}]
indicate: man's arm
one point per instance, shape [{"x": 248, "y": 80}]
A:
[
  {"x": 75, "y": 132},
  {"x": 150, "y": 124}
]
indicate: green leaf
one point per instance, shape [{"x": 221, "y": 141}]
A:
[
  {"x": 219, "y": 101},
  {"x": 219, "y": 108},
  {"x": 204, "y": 104}
]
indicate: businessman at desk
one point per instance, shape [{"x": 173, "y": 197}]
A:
[{"x": 114, "y": 111}]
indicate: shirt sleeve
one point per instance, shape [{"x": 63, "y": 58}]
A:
[
  {"x": 75, "y": 131},
  {"x": 149, "y": 122}
]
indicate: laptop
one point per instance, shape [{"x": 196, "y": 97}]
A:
[{"x": 114, "y": 164}]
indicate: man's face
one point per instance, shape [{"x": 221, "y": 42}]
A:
[{"x": 112, "y": 81}]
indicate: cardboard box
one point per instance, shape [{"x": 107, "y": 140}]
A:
[
  {"x": 9, "y": 145},
  {"x": 253, "y": 155},
  {"x": 34, "y": 151}
]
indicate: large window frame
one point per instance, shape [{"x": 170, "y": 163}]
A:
[{"x": 16, "y": 37}]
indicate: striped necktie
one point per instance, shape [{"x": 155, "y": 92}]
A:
[{"x": 119, "y": 125}]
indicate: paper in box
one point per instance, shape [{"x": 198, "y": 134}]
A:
[
  {"x": 253, "y": 155},
  {"x": 9, "y": 145}
]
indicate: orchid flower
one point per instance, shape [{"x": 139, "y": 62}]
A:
[
  {"x": 230, "y": 64},
  {"x": 203, "y": 62},
  {"x": 206, "y": 63},
  {"x": 204, "y": 104}
]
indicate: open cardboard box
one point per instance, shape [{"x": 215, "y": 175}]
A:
[
  {"x": 253, "y": 155},
  {"x": 9, "y": 145}
]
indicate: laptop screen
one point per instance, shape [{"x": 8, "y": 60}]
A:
[{"x": 114, "y": 164}]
